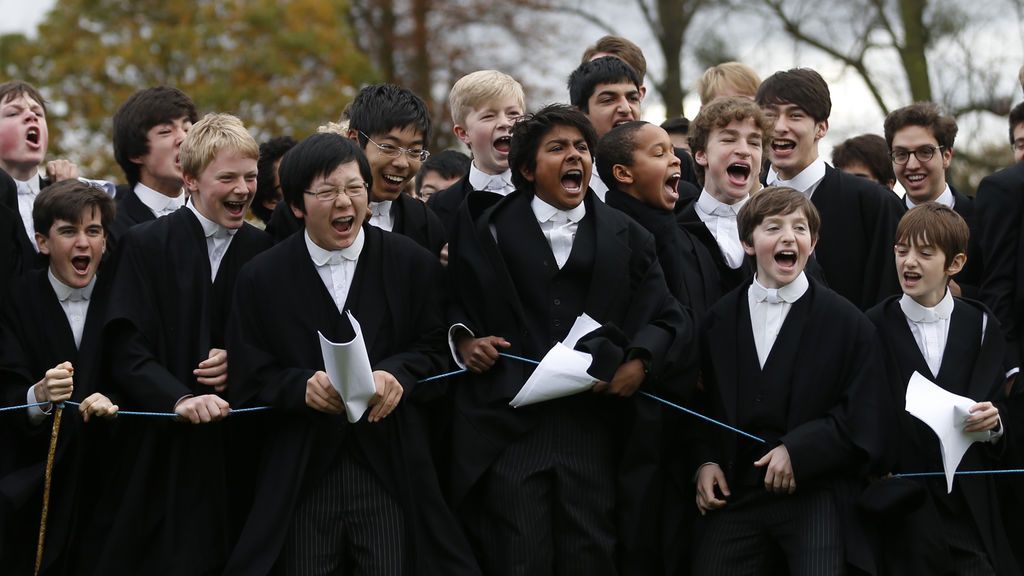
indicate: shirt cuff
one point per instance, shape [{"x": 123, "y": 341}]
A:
[
  {"x": 1012, "y": 372},
  {"x": 36, "y": 414},
  {"x": 997, "y": 433},
  {"x": 452, "y": 333}
]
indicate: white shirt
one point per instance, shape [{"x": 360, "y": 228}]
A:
[
  {"x": 380, "y": 215},
  {"x": 597, "y": 185},
  {"x": 218, "y": 239},
  {"x": 768, "y": 310},
  {"x": 946, "y": 199},
  {"x": 27, "y": 192},
  {"x": 75, "y": 302},
  {"x": 805, "y": 182},
  {"x": 558, "y": 226},
  {"x": 159, "y": 204},
  {"x": 720, "y": 220},
  {"x": 930, "y": 327},
  {"x": 336, "y": 267},
  {"x": 496, "y": 183}
]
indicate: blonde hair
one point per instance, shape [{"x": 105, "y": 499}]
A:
[
  {"x": 209, "y": 137},
  {"x": 735, "y": 75},
  {"x": 479, "y": 88},
  {"x": 340, "y": 128}
]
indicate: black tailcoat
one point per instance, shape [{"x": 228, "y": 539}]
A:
[
  {"x": 35, "y": 336},
  {"x": 412, "y": 218},
  {"x": 972, "y": 366},
  {"x": 130, "y": 211},
  {"x": 394, "y": 297},
  {"x": 167, "y": 490},
  {"x": 825, "y": 375},
  {"x": 446, "y": 203}
]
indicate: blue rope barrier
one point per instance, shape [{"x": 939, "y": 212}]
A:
[
  {"x": 22, "y": 407},
  {"x": 963, "y": 473}
]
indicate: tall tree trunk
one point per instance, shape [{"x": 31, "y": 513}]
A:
[{"x": 912, "y": 51}]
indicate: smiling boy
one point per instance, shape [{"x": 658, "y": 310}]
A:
[
  {"x": 791, "y": 362},
  {"x": 166, "y": 336},
  {"x": 392, "y": 126},
  {"x": 727, "y": 138},
  {"x": 536, "y": 485},
  {"x": 859, "y": 218},
  {"x": 484, "y": 107},
  {"x": 49, "y": 352},
  {"x": 956, "y": 344}
]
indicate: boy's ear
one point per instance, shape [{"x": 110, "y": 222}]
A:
[
  {"x": 353, "y": 135},
  {"x": 527, "y": 173},
  {"x": 820, "y": 129},
  {"x": 41, "y": 242},
  {"x": 297, "y": 212},
  {"x": 954, "y": 267},
  {"x": 461, "y": 134},
  {"x": 747, "y": 248},
  {"x": 947, "y": 157},
  {"x": 622, "y": 174},
  {"x": 191, "y": 183},
  {"x": 701, "y": 158}
]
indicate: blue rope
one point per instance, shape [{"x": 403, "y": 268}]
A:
[
  {"x": 520, "y": 358},
  {"x": 22, "y": 407},
  {"x": 964, "y": 473},
  {"x": 703, "y": 417}
]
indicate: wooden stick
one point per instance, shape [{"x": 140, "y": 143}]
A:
[{"x": 46, "y": 486}]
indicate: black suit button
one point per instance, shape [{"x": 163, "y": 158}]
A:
[
  {"x": 757, "y": 399},
  {"x": 557, "y": 323},
  {"x": 558, "y": 302}
]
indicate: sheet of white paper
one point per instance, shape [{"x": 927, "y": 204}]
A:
[
  {"x": 943, "y": 412},
  {"x": 348, "y": 366},
  {"x": 562, "y": 372},
  {"x": 581, "y": 327}
]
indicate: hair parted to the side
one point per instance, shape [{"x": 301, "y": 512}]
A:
[
  {"x": 585, "y": 79},
  {"x": 530, "y": 131},
  {"x": 932, "y": 224},
  {"x": 775, "y": 201},
  {"x": 67, "y": 200},
  {"x": 142, "y": 111},
  {"x": 16, "y": 88},
  {"x": 802, "y": 87},
  {"x": 481, "y": 88},
  {"x": 212, "y": 135},
  {"x": 727, "y": 76},
  {"x": 617, "y": 147},
  {"x": 869, "y": 150},
  {"x": 621, "y": 48},
  {"x": 318, "y": 155},
  {"x": 925, "y": 114},
  {"x": 380, "y": 108}
]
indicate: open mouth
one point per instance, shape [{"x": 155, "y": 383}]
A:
[
  {"x": 785, "y": 258},
  {"x": 911, "y": 278},
  {"x": 783, "y": 145},
  {"x": 81, "y": 263},
  {"x": 915, "y": 178},
  {"x": 503, "y": 144},
  {"x": 394, "y": 180},
  {"x": 235, "y": 208},
  {"x": 33, "y": 136},
  {"x": 572, "y": 180},
  {"x": 672, "y": 185},
  {"x": 739, "y": 173},
  {"x": 343, "y": 224}
]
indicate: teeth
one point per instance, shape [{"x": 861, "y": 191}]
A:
[{"x": 394, "y": 179}]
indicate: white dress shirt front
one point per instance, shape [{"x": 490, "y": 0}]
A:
[
  {"x": 380, "y": 215},
  {"x": 496, "y": 183},
  {"x": 159, "y": 204},
  {"x": 336, "y": 267},
  {"x": 558, "y": 226},
  {"x": 768, "y": 310},
  {"x": 805, "y": 182},
  {"x": 218, "y": 240},
  {"x": 720, "y": 220}
]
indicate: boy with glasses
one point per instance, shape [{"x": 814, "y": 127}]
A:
[{"x": 392, "y": 126}]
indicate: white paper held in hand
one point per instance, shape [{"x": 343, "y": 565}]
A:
[
  {"x": 563, "y": 371},
  {"x": 348, "y": 366},
  {"x": 943, "y": 412}
]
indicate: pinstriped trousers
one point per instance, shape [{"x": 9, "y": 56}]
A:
[
  {"x": 548, "y": 504},
  {"x": 348, "y": 525},
  {"x": 740, "y": 538}
]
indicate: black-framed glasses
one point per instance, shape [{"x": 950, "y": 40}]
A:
[
  {"x": 1018, "y": 145},
  {"x": 392, "y": 151},
  {"x": 331, "y": 194},
  {"x": 923, "y": 154}
]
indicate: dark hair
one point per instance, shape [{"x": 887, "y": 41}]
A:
[
  {"x": 801, "y": 87},
  {"x": 924, "y": 114},
  {"x": 1016, "y": 117},
  {"x": 679, "y": 125},
  {"x": 66, "y": 200},
  {"x": 380, "y": 108},
  {"x": 143, "y": 110},
  {"x": 449, "y": 164},
  {"x": 585, "y": 79},
  {"x": 617, "y": 147},
  {"x": 932, "y": 224},
  {"x": 775, "y": 201},
  {"x": 14, "y": 88},
  {"x": 270, "y": 151},
  {"x": 318, "y": 155},
  {"x": 869, "y": 150},
  {"x": 528, "y": 133},
  {"x": 621, "y": 48}
]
